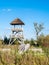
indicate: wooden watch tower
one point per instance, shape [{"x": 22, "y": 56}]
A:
[{"x": 17, "y": 31}]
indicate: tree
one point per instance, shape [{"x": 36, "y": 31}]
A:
[{"x": 38, "y": 28}]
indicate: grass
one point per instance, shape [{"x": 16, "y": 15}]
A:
[{"x": 27, "y": 58}]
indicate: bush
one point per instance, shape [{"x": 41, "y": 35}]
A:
[
  {"x": 26, "y": 41},
  {"x": 46, "y": 41},
  {"x": 1, "y": 42},
  {"x": 32, "y": 42},
  {"x": 6, "y": 40},
  {"x": 16, "y": 42},
  {"x": 40, "y": 40}
]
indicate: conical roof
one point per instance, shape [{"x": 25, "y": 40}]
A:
[{"x": 17, "y": 22}]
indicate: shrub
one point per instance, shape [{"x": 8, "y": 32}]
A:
[
  {"x": 46, "y": 41},
  {"x": 1, "y": 42},
  {"x": 6, "y": 40},
  {"x": 26, "y": 41},
  {"x": 32, "y": 42}
]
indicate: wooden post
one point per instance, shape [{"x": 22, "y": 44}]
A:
[{"x": 14, "y": 26}]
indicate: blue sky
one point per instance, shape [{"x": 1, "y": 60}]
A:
[{"x": 29, "y": 11}]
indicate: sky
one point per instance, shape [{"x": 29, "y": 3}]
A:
[{"x": 29, "y": 11}]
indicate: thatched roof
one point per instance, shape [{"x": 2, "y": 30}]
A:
[{"x": 17, "y": 22}]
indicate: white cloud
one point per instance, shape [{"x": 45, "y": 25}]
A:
[{"x": 7, "y": 10}]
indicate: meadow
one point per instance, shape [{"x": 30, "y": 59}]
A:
[{"x": 12, "y": 56}]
